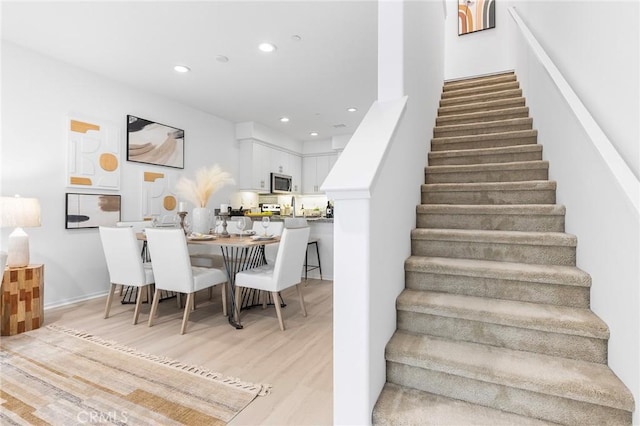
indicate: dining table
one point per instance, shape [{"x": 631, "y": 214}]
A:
[{"x": 239, "y": 252}]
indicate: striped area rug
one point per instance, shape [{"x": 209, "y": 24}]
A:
[{"x": 56, "y": 375}]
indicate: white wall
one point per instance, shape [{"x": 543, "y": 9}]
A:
[
  {"x": 388, "y": 151},
  {"x": 596, "y": 45},
  {"x": 599, "y": 212},
  {"x": 38, "y": 93},
  {"x": 482, "y": 52}
]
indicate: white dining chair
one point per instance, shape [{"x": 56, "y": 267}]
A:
[
  {"x": 280, "y": 275},
  {"x": 125, "y": 265},
  {"x": 173, "y": 271},
  {"x": 275, "y": 228}
]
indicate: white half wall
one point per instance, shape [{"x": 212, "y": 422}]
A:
[{"x": 38, "y": 94}]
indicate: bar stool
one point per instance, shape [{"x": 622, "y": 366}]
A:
[
  {"x": 300, "y": 222},
  {"x": 308, "y": 267}
]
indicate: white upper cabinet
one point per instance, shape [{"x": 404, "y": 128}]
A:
[
  {"x": 258, "y": 161},
  {"x": 315, "y": 170}
]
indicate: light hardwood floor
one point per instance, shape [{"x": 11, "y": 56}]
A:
[{"x": 298, "y": 362}]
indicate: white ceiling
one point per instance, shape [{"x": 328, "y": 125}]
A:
[{"x": 313, "y": 81}]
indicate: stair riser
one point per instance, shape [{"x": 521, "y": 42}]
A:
[
  {"x": 507, "y": 115},
  {"x": 495, "y": 222},
  {"x": 471, "y": 143},
  {"x": 470, "y": 130},
  {"x": 486, "y": 88},
  {"x": 520, "y": 401},
  {"x": 478, "y": 82},
  {"x": 497, "y": 288},
  {"x": 538, "y": 196},
  {"x": 481, "y": 106},
  {"x": 542, "y": 342},
  {"x": 485, "y": 97},
  {"x": 545, "y": 255},
  {"x": 485, "y": 158},
  {"x": 518, "y": 175}
]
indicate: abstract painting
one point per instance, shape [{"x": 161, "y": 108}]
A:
[
  {"x": 476, "y": 15},
  {"x": 154, "y": 143},
  {"x": 93, "y": 154},
  {"x": 158, "y": 200},
  {"x": 91, "y": 210}
]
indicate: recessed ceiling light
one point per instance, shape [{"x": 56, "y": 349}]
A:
[
  {"x": 222, "y": 58},
  {"x": 314, "y": 133},
  {"x": 181, "y": 68},
  {"x": 284, "y": 119},
  {"x": 352, "y": 109},
  {"x": 267, "y": 47}
]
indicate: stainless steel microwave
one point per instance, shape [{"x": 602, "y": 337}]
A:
[{"x": 281, "y": 184}]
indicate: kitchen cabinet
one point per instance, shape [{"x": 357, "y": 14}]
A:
[
  {"x": 258, "y": 161},
  {"x": 315, "y": 170}
]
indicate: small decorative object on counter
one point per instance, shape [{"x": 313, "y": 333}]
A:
[{"x": 329, "y": 212}]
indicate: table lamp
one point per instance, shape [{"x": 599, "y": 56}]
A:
[{"x": 19, "y": 212}]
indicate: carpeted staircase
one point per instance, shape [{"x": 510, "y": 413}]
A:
[{"x": 494, "y": 325}]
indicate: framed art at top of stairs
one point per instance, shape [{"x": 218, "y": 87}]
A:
[{"x": 476, "y": 15}]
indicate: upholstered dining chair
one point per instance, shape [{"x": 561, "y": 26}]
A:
[
  {"x": 173, "y": 271},
  {"x": 283, "y": 273},
  {"x": 125, "y": 265},
  {"x": 275, "y": 228}
]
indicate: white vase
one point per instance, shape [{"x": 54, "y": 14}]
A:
[{"x": 201, "y": 220}]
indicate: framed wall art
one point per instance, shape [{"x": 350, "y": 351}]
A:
[
  {"x": 476, "y": 15},
  {"x": 154, "y": 143},
  {"x": 91, "y": 210},
  {"x": 93, "y": 154}
]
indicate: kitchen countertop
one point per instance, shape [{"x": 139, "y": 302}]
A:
[{"x": 310, "y": 219}]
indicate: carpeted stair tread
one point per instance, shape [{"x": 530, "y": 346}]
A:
[
  {"x": 486, "y": 106},
  {"x": 562, "y": 377},
  {"x": 550, "y": 284},
  {"x": 487, "y": 140},
  {"x": 536, "y": 316},
  {"x": 506, "y": 217},
  {"x": 554, "y": 248},
  {"x": 553, "y": 274},
  {"x": 488, "y": 127},
  {"x": 506, "y": 237},
  {"x": 488, "y": 209},
  {"x": 486, "y": 155},
  {"x": 484, "y": 88},
  {"x": 526, "y": 192},
  {"x": 478, "y": 81},
  {"x": 400, "y": 405},
  {"x": 483, "y": 116},
  {"x": 482, "y": 97},
  {"x": 515, "y": 171}
]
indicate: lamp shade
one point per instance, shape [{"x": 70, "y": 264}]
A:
[{"x": 19, "y": 212}]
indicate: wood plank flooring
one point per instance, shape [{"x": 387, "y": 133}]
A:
[{"x": 297, "y": 362}]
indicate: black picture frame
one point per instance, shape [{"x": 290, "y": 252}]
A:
[
  {"x": 475, "y": 16},
  {"x": 154, "y": 143},
  {"x": 91, "y": 210}
]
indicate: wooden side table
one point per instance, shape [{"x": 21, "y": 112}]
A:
[{"x": 22, "y": 299}]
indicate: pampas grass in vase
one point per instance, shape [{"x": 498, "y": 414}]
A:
[{"x": 198, "y": 192}]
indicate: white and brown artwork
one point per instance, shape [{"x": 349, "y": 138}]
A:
[
  {"x": 93, "y": 154},
  {"x": 154, "y": 143},
  {"x": 91, "y": 210},
  {"x": 158, "y": 199}
]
